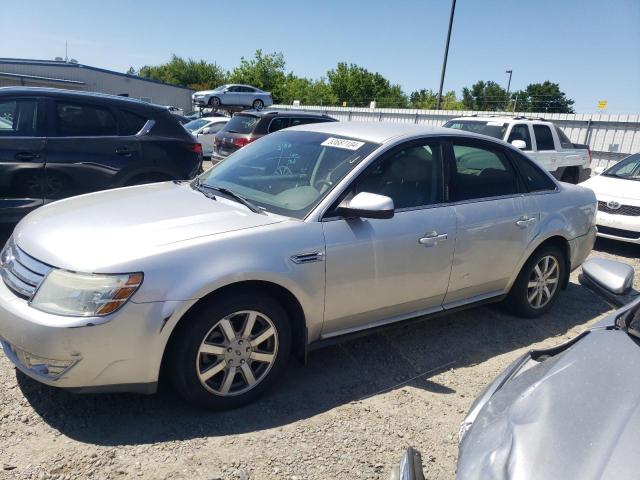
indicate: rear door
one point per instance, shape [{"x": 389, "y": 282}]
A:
[
  {"x": 85, "y": 151},
  {"x": 494, "y": 221},
  {"x": 22, "y": 156}
]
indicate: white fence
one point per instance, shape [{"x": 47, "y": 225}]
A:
[{"x": 610, "y": 137}]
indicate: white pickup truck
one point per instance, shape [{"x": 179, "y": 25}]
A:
[{"x": 538, "y": 138}]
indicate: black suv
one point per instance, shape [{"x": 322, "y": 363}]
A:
[
  {"x": 59, "y": 143},
  {"x": 245, "y": 127}
]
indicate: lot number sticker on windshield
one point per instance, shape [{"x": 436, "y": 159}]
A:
[{"x": 342, "y": 143}]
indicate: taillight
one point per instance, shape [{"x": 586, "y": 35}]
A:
[
  {"x": 242, "y": 141},
  {"x": 194, "y": 147}
]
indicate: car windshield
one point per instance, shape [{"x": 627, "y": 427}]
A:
[
  {"x": 194, "y": 125},
  {"x": 221, "y": 87},
  {"x": 242, "y": 124},
  {"x": 494, "y": 129},
  {"x": 288, "y": 173},
  {"x": 629, "y": 168}
]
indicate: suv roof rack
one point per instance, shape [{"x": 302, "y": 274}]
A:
[{"x": 515, "y": 117}]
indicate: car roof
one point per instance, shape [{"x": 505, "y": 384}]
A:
[
  {"x": 73, "y": 94},
  {"x": 501, "y": 118},
  {"x": 284, "y": 113},
  {"x": 382, "y": 132}
]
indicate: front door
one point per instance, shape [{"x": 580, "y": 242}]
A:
[
  {"x": 379, "y": 271},
  {"x": 494, "y": 221},
  {"x": 22, "y": 157},
  {"x": 85, "y": 152}
]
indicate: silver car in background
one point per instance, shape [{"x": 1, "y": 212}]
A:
[
  {"x": 233, "y": 95},
  {"x": 204, "y": 131},
  {"x": 308, "y": 235}
]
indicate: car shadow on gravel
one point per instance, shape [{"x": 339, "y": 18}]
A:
[{"x": 333, "y": 376}]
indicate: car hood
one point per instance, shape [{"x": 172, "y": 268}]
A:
[
  {"x": 615, "y": 187},
  {"x": 574, "y": 415},
  {"x": 95, "y": 231}
]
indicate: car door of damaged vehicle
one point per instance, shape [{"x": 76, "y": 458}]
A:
[{"x": 382, "y": 270}]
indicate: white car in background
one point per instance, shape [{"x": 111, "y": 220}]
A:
[
  {"x": 540, "y": 139},
  {"x": 204, "y": 130},
  {"x": 618, "y": 193}
]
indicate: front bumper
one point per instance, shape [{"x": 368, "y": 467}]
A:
[
  {"x": 120, "y": 352},
  {"x": 625, "y": 228}
]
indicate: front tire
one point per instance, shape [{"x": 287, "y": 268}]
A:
[
  {"x": 258, "y": 104},
  {"x": 539, "y": 283},
  {"x": 214, "y": 102},
  {"x": 230, "y": 351}
]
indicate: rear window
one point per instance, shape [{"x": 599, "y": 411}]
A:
[
  {"x": 242, "y": 124},
  {"x": 76, "y": 120},
  {"x": 133, "y": 123},
  {"x": 564, "y": 140},
  {"x": 534, "y": 178},
  {"x": 495, "y": 129}
]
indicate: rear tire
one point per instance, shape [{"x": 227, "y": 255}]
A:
[
  {"x": 571, "y": 175},
  {"x": 242, "y": 358},
  {"x": 538, "y": 284}
]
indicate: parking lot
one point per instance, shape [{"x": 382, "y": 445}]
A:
[{"x": 349, "y": 413}]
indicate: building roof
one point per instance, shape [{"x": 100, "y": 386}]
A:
[{"x": 56, "y": 63}]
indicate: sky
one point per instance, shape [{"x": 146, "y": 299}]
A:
[{"x": 590, "y": 47}]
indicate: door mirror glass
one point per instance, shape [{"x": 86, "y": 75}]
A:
[
  {"x": 367, "y": 205},
  {"x": 206, "y": 130},
  {"x": 608, "y": 278},
  {"x": 519, "y": 144}
]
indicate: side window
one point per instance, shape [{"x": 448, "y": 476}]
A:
[
  {"x": 133, "y": 123},
  {"x": 278, "y": 124},
  {"x": 247, "y": 90},
  {"x": 18, "y": 118},
  {"x": 216, "y": 127},
  {"x": 481, "y": 173},
  {"x": 305, "y": 120},
  {"x": 411, "y": 177},
  {"x": 76, "y": 120},
  {"x": 544, "y": 138},
  {"x": 534, "y": 178},
  {"x": 564, "y": 140},
  {"x": 520, "y": 132}
]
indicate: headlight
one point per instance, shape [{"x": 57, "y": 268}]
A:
[{"x": 84, "y": 295}]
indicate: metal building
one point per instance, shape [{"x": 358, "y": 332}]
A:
[{"x": 75, "y": 76}]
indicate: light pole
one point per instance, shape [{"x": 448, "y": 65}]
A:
[
  {"x": 446, "y": 54},
  {"x": 510, "y": 72}
]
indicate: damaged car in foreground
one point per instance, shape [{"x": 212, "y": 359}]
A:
[{"x": 572, "y": 411}]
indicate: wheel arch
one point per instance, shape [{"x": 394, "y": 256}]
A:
[{"x": 284, "y": 296}]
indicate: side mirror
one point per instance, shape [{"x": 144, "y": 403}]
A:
[
  {"x": 519, "y": 144},
  {"x": 610, "y": 279},
  {"x": 367, "y": 205},
  {"x": 205, "y": 131},
  {"x": 410, "y": 466},
  {"x": 599, "y": 170}
]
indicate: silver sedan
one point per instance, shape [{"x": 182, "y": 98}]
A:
[
  {"x": 304, "y": 237},
  {"x": 233, "y": 96}
]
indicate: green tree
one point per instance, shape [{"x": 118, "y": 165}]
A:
[
  {"x": 195, "y": 74},
  {"x": 131, "y": 71},
  {"x": 484, "y": 96},
  {"x": 308, "y": 91},
  {"x": 428, "y": 99},
  {"x": 358, "y": 87},
  {"x": 265, "y": 71},
  {"x": 542, "y": 97}
]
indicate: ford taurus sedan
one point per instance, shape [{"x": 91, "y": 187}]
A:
[{"x": 217, "y": 280}]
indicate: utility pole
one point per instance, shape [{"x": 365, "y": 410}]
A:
[
  {"x": 446, "y": 54},
  {"x": 510, "y": 72}
]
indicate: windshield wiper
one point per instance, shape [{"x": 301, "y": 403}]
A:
[{"x": 235, "y": 196}]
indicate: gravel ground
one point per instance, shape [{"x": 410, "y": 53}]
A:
[{"x": 348, "y": 414}]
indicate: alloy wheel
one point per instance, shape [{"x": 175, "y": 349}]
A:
[
  {"x": 543, "y": 282},
  {"x": 237, "y": 353}
]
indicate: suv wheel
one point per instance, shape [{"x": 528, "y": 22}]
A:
[
  {"x": 538, "y": 285},
  {"x": 231, "y": 351},
  {"x": 258, "y": 104},
  {"x": 214, "y": 102}
]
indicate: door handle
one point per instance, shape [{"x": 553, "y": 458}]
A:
[
  {"x": 431, "y": 239},
  {"x": 124, "y": 151},
  {"x": 27, "y": 156},
  {"x": 525, "y": 222}
]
